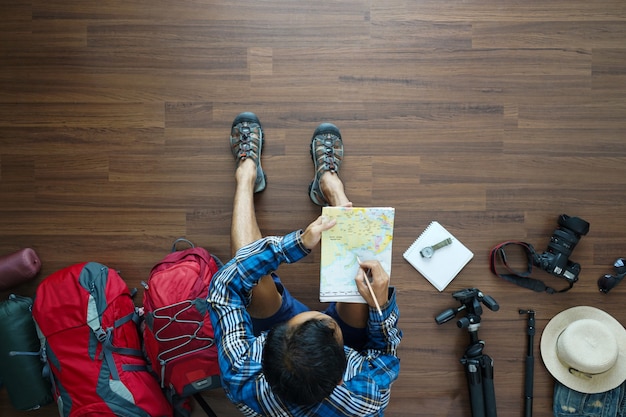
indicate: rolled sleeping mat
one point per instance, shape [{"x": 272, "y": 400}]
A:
[
  {"x": 21, "y": 367},
  {"x": 18, "y": 267}
]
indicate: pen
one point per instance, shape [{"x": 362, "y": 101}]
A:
[{"x": 369, "y": 287}]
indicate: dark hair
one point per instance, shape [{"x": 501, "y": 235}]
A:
[{"x": 304, "y": 363}]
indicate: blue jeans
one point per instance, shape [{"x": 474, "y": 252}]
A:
[
  {"x": 570, "y": 403},
  {"x": 352, "y": 336}
]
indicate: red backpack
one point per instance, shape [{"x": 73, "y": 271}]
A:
[
  {"x": 88, "y": 327},
  {"x": 178, "y": 335}
]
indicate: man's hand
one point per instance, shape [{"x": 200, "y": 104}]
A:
[
  {"x": 379, "y": 282},
  {"x": 313, "y": 233}
]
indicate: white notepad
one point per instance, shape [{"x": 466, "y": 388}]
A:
[{"x": 446, "y": 262}]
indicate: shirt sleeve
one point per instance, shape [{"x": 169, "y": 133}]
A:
[
  {"x": 229, "y": 295},
  {"x": 383, "y": 335},
  {"x": 370, "y": 373}
]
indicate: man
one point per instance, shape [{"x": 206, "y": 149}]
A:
[{"x": 276, "y": 357}]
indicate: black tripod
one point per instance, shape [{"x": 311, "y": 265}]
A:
[{"x": 478, "y": 367}]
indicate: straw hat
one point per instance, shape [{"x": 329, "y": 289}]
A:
[{"x": 584, "y": 348}]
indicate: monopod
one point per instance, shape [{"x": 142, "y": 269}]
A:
[{"x": 530, "y": 364}]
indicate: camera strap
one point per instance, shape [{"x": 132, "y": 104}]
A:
[{"x": 523, "y": 279}]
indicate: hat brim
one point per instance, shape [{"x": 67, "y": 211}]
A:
[{"x": 598, "y": 383}]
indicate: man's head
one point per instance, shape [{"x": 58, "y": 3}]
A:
[{"x": 303, "y": 359}]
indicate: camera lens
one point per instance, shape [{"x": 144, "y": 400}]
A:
[
  {"x": 576, "y": 225},
  {"x": 562, "y": 241}
]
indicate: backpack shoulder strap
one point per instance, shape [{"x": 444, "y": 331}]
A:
[{"x": 95, "y": 279}]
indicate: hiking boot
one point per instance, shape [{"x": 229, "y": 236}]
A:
[
  {"x": 327, "y": 154},
  {"x": 246, "y": 141}
]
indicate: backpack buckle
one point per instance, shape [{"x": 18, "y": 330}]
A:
[{"x": 101, "y": 335}]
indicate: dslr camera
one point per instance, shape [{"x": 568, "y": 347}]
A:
[{"x": 556, "y": 260}]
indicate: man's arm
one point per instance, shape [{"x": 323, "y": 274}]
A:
[
  {"x": 382, "y": 332},
  {"x": 233, "y": 283},
  {"x": 378, "y": 366},
  {"x": 369, "y": 375},
  {"x": 230, "y": 290}
]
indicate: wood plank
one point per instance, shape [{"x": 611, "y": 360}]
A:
[{"x": 492, "y": 117}]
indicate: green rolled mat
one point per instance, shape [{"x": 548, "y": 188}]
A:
[{"x": 21, "y": 369}]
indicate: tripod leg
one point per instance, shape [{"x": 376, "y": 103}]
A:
[
  {"x": 475, "y": 385},
  {"x": 488, "y": 386}
]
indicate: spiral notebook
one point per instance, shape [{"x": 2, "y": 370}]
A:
[{"x": 446, "y": 262}]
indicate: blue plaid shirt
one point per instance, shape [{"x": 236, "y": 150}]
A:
[{"x": 369, "y": 374}]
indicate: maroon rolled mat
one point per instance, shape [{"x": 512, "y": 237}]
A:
[{"x": 18, "y": 267}]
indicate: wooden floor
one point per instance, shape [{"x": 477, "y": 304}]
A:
[{"x": 492, "y": 117}]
